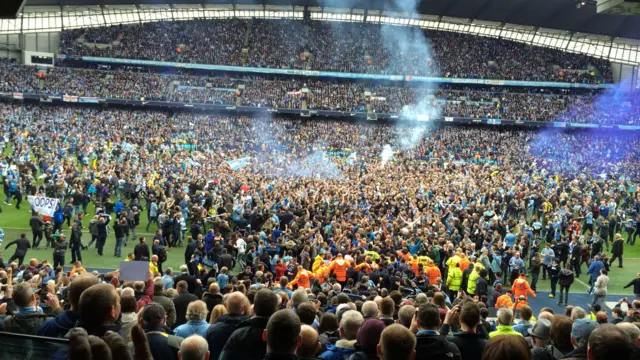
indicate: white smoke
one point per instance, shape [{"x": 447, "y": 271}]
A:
[
  {"x": 318, "y": 165},
  {"x": 386, "y": 155},
  {"x": 408, "y": 138}
]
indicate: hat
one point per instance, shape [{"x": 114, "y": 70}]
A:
[
  {"x": 153, "y": 313},
  {"x": 582, "y": 328},
  {"x": 540, "y": 329},
  {"x": 369, "y": 334}
]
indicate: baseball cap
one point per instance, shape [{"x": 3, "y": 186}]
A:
[
  {"x": 540, "y": 329},
  {"x": 582, "y": 328},
  {"x": 152, "y": 313}
]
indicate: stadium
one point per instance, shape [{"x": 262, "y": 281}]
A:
[{"x": 320, "y": 179}]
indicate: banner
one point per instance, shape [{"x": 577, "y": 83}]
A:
[
  {"x": 128, "y": 147},
  {"x": 89, "y": 100},
  {"x": 18, "y": 96},
  {"x": 334, "y": 74},
  {"x": 581, "y": 125},
  {"x": 238, "y": 163},
  {"x": 43, "y": 205},
  {"x": 69, "y": 98},
  {"x": 628, "y": 127}
]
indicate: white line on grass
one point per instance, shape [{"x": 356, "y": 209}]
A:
[
  {"x": 583, "y": 283},
  {"x": 21, "y": 228}
]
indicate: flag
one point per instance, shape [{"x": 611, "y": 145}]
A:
[
  {"x": 238, "y": 163},
  {"x": 352, "y": 158}
]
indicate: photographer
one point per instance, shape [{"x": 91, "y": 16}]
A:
[
  {"x": 59, "y": 249},
  {"x": 30, "y": 316}
]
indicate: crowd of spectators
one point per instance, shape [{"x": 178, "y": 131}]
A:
[
  {"x": 198, "y": 41},
  {"x": 526, "y": 104},
  {"x": 401, "y": 255},
  {"x": 344, "y": 47}
]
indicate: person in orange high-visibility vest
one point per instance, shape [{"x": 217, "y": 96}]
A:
[
  {"x": 405, "y": 254},
  {"x": 504, "y": 300},
  {"x": 365, "y": 266},
  {"x": 339, "y": 267},
  {"x": 521, "y": 301},
  {"x": 303, "y": 278},
  {"x": 464, "y": 262},
  {"x": 433, "y": 273},
  {"x": 415, "y": 266},
  {"x": 521, "y": 287}
]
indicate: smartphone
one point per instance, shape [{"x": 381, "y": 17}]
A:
[{"x": 42, "y": 293}]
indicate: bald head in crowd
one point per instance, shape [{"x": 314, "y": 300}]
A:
[
  {"x": 214, "y": 288},
  {"x": 236, "y": 303},
  {"x": 546, "y": 315},
  {"x": 397, "y": 343},
  {"x": 310, "y": 342},
  {"x": 194, "y": 347},
  {"x": 283, "y": 333}
]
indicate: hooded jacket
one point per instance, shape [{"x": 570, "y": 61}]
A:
[
  {"x": 437, "y": 347},
  {"x": 343, "y": 349},
  {"x": 565, "y": 277},
  {"x": 27, "y": 324}
]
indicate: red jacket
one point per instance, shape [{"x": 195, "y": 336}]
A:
[
  {"x": 147, "y": 298},
  {"x": 280, "y": 269}
]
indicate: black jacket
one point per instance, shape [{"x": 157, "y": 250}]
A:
[
  {"x": 565, "y": 277},
  {"x": 119, "y": 230},
  {"x": 28, "y": 324},
  {"x": 226, "y": 260},
  {"x": 328, "y": 338},
  {"x": 617, "y": 248},
  {"x": 36, "y": 223},
  {"x": 76, "y": 236},
  {"x": 102, "y": 227},
  {"x": 190, "y": 249},
  {"x": 22, "y": 245},
  {"x": 141, "y": 252},
  {"x": 191, "y": 282},
  {"x": 211, "y": 300},
  {"x": 636, "y": 285},
  {"x": 181, "y": 302},
  {"x": 246, "y": 341},
  {"x": 436, "y": 347},
  {"x": 361, "y": 355},
  {"x": 576, "y": 354},
  {"x": 481, "y": 286},
  {"x": 576, "y": 253},
  {"x": 221, "y": 331},
  {"x": 60, "y": 248},
  {"x": 471, "y": 345}
]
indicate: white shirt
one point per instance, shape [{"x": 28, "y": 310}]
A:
[{"x": 241, "y": 245}]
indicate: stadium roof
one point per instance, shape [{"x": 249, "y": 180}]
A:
[{"x": 553, "y": 14}]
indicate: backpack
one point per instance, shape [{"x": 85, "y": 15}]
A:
[{"x": 162, "y": 255}]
